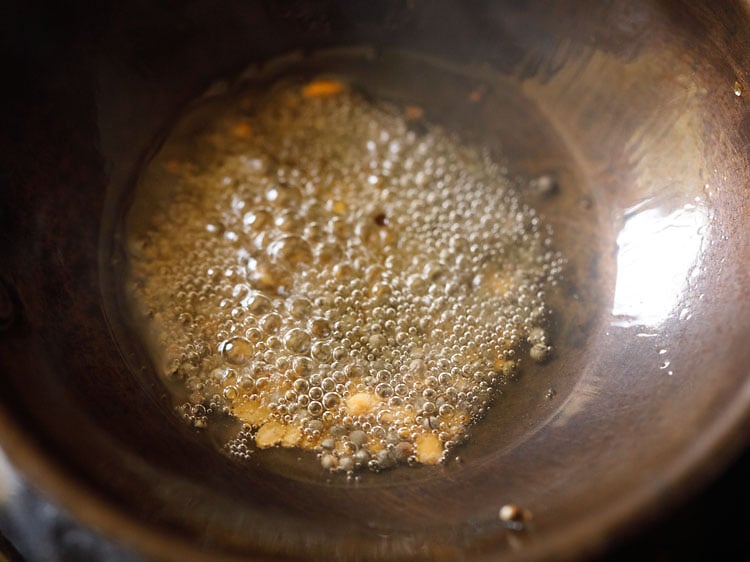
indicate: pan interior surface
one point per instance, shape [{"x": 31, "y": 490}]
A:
[{"x": 536, "y": 391}]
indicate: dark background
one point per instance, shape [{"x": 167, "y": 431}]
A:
[{"x": 714, "y": 525}]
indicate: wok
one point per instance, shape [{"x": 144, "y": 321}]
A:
[{"x": 638, "y": 109}]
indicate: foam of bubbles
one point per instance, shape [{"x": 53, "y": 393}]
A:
[{"x": 337, "y": 281}]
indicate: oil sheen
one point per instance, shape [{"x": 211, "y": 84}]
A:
[{"x": 335, "y": 272}]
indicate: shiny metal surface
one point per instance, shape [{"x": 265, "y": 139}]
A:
[{"x": 639, "y": 107}]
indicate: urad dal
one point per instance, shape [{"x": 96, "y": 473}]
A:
[{"x": 336, "y": 278}]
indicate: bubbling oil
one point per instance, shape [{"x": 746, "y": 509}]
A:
[{"x": 337, "y": 273}]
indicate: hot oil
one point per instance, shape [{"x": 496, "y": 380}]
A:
[{"x": 528, "y": 163}]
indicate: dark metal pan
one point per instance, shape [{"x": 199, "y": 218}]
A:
[{"x": 645, "y": 121}]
